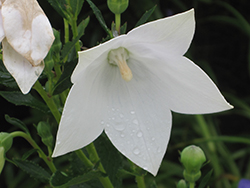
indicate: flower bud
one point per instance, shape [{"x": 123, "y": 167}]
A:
[
  {"x": 192, "y": 158},
  {"x": 6, "y": 141},
  {"x": 44, "y": 132},
  {"x": 181, "y": 184},
  {"x": 118, "y": 6},
  {"x": 2, "y": 159}
]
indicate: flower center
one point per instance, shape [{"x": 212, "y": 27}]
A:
[{"x": 119, "y": 57}]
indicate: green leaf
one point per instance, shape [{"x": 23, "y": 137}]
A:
[
  {"x": 99, "y": 17},
  {"x": 111, "y": 160},
  {"x": 28, "y": 153},
  {"x": 16, "y": 122},
  {"x": 33, "y": 169},
  {"x": 5, "y": 77},
  {"x": 64, "y": 81},
  {"x": 145, "y": 16},
  {"x": 70, "y": 45},
  {"x": 76, "y": 6},
  {"x": 205, "y": 180},
  {"x": 59, "y": 6},
  {"x": 18, "y": 98},
  {"x": 123, "y": 28},
  {"x": 62, "y": 180}
]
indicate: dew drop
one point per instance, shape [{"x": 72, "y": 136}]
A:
[
  {"x": 58, "y": 142},
  {"x": 119, "y": 126},
  {"x": 132, "y": 112},
  {"x": 153, "y": 138},
  {"x": 102, "y": 122},
  {"x": 113, "y": 109},
  {"x": 122, "y": 135},
  {"x": 135, "y": 121},
  {"x": 108, "y": 125},
  {"x": 136, "y": 151},
  {"x": 159, "y": 150},
  {"x": 113, "y": 118},
  {"x": 139, "y": 134},
  {"x": 121, "y": 115}
]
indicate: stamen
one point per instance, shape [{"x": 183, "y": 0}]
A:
[{"x": 119, "y": 57}]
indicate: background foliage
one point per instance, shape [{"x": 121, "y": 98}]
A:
[{"x": 220, "y": 47}]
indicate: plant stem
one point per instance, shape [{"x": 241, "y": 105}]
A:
[
  {"x": 117, "y": 22},
  {"x": 48, "y": 100},
  {"x": 140, "y": 181},
  {"x": 93, "y": 155},
  {"x": 191, "y": 185},
  {"x": 42, "y": 155},
  {"x": 75, "y": 33}
]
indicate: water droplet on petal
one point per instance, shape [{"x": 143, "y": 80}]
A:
[
  {"x": 139, "y": 134},
  {"x": 136, "y": 151},
  {"x": 113, "y": 109},
  {"x": 102, "y": 122},
  {"x": 58, "y": 142},
  {"x": 135, "y": 121},
  {"x": 153, "y": 138},
  {"x": 132, "y": 112},
  {"x": 159, "y": 150},
  {"x": 121, "y": 115},
  {"x": 122, "y": 135},
  {"x": 108, "y": 125},
  {"x": 119, "y": 126},
  {"x": 113, "y": 118}
]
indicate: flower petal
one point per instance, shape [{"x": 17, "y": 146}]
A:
[
  {"x": 91, "y": 55},
  {"x": 139, "y": 122},
  {"x": 2, "y": 35},
  {"x": 187, "y": 88},
  {"x": 27, "y": 29},
  {"x": 81, "y": 121},
  {"x": 20, "y": 68},
  {"x": 171, "y": 35}
]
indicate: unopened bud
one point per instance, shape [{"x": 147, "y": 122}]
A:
[
  {"x": 181, "y": 184},
  {"x": 118, "y": 6},
  {"x": 44, "y": 132},
  {"x": 6, "y": 141}
]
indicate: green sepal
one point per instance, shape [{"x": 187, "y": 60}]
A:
[
  {"x": 145, "y": 16},
  {"x": 18, "y": 98},
  {"x": 117, "y": 6},
  {"x": 33, "y": 169},
  {"x": 6, "y": 141},
  {"x": 16, "y": 122}
]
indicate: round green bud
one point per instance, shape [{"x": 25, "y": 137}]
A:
[
  {"x": 44, "y": 131},
  {"x": 181, "y": 184},
  {"x": 192, "y": 158},
  {"x": 6, "y": 141},
  {"x": 118, "y": 6}
]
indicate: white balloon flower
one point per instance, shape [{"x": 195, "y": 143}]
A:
[
  {"x": 128, "y": 87},
  {"x": 26, "y": 36}
]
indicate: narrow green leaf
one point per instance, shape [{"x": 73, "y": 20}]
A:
[
  {"x": 16, "y": 122},
  {"x": 99, "y": 17},
  {"x": 62, "y": 180},
  {"x": 5, "y": 77},
  {"x": 145, "y": 16},
  {"x": 111, "y": 160},
  {"x": 28, "y": 153},
  {"x": 59, "y": 6},
  {"x": 33, "y": 169},
  {"x": 205, "y": 180},
  {"x": 64, "y": 81},
  {"x": 70, "y": 45},
  {"x": 17, "y": 98},
  {"x": 76, "y": 6},
  {"x": 123, "y": 28}
]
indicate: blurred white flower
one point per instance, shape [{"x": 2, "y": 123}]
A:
[
  {"x": 26, "y": 36},
  {"x": 128, "y": 87}
]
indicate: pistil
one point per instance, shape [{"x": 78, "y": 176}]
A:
[{"x": 119, "y": 58}]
